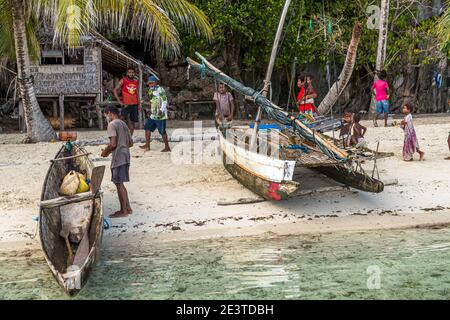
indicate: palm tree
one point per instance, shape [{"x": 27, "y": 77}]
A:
[
  {"x": 443, "y": 30},
  {"x": 346, "y": 73},
  {"x": 153, "y": 21},
  {"x": 14, "y": 18}
]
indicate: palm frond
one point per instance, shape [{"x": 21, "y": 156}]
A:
[
  {"x": 188, "y": 16},
  {"x": 140, "y": 20},
  {"x": 70, "y": 19},
  {"x": 443, "y": 30},
  {"x": 7, "y": 45},
  {"x": 34, "y": 47},
  {"x": 6, "y": 31},
  {"x": 153, "y": 21}
]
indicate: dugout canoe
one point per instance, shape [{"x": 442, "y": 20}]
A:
[{"x": 71, "y": 278}]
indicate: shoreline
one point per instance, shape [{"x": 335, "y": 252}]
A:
[
  {"x": 174, "y": 201},
  {"x": 316, "y": 226}
]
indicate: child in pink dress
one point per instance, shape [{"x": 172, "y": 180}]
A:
[{"x": 410, "y": 144}]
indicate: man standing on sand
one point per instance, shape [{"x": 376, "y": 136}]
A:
[
  {"x": 158, "y": 118},
  {"x": 224, "y": 104},
  {"x": 120, "y": 142},
  {"x": 130, "y": 99},
  {"x": 381, "y": 88}
]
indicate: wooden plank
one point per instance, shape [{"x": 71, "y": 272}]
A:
[
  {"x": 71, "y": 157},
  {"x": 97, "y": 178},
  {"x": 390, "y": 182},
  {"x": 55, "y": 108},
  {"x": 241, "y": 201},
  {"x": 299, "y": 193},
  {"x": 62, "y": 201},
  {"x": 83, "y": 249}
]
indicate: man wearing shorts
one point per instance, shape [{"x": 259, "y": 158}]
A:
[
  {"x": 158, "y": 118},
  {"x": 120, "y": 142},
  {"x": 130, "y": 99},
  {"x": 381, "y": 88}
]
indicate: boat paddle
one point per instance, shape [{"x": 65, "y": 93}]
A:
[{"x": 83, "y": 249}]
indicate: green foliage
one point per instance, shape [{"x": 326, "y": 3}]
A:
[
  {"x": 443, "y": 31},
  {"x": 155, "y": 21},
  {"x": 253, "y": 24},
  {"x": 7, "y": 48}
]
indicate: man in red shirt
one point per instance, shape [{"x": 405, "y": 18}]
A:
[{"x": 130, "y": 99}]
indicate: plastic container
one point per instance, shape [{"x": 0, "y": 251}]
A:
[
  {"x": 83, "y": 186},
  {"x": 70, "y": 184}
]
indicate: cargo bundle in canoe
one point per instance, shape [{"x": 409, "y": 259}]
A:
[{"x": 70, "y": 256}]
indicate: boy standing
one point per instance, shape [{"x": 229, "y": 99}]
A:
[
  {"x": 120, "y": 142},
  {"x": 130, "y": 99},
  {"x": 381, "y": 88},
  {"x": 224, "y": 104},
  {"x": 158, "y": 117}
]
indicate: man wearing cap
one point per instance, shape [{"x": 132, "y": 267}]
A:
[
  {"x": 158, "y": 118},
  {"x": 130, "y": 99}
]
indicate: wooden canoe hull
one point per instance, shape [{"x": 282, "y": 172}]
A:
[
  {"x": 266, "y": 176},
  {"x": 269, "y": 190},
  {"x": 272, "y": 178},
  {"x": 53, "y": 245}
]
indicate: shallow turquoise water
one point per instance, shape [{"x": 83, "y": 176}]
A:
[{"x": 371, "y": 265}]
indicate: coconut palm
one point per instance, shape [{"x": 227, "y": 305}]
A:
[
  {"x": 153, "y": 21},
  {"x": 443, "y": 30},
  {"x": 346, "y": 73}
]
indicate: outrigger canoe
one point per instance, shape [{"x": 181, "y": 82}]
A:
[
  {"x": 299, "y": 144},
  {"x": 70, "y": 262}
]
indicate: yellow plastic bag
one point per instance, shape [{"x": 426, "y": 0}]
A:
[
  {"x": 70, "y": 184},
  {"x": 83, "y": 186}
]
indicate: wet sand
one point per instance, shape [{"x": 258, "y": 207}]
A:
[{"x": 179, "y": 202}]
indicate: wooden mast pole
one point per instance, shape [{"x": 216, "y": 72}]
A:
[{"x": 265, "y": 90}]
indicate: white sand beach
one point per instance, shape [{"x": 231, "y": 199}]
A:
[{"x": 179, "y": 202}]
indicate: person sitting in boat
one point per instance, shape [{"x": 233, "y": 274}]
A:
[
  {"x": 224, "y": 104},
  {"x": 358, "y": 132},
  {"x": 307, "y": 94}
]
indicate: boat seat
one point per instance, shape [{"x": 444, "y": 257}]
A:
[{"x": 62, "y": 201}]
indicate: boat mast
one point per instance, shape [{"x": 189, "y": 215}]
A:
[{"x": 265, "y": 90}]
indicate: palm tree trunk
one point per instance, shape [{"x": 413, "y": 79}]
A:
[
  {"x": 346, "y": 73},
  {"x": 382, "y": 37},
  {"x": 382, "y": 44},
  {"x": 38, "y": 127}
]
